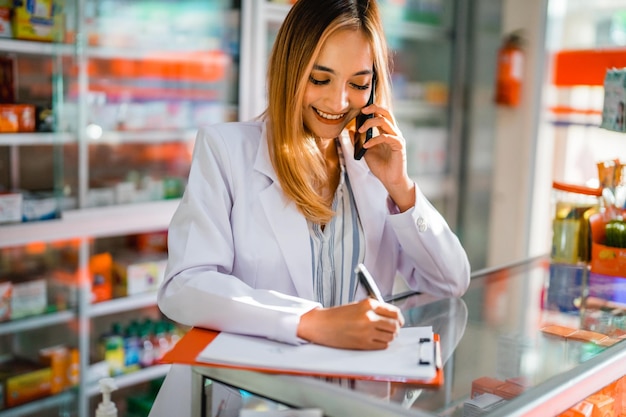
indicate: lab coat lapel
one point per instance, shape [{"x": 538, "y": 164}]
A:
[
  {"x": 367, "y": 190},
  {"x": 288, "y": 225}
]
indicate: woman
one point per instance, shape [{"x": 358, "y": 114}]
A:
[{"x": 277, "y": 212}]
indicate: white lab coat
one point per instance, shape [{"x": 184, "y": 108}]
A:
[{"x": 239, "y": 250}]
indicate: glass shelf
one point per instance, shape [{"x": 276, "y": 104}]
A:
[
  {"x": 36, "y": 322},
  {"x": 93, "y": 222},
  {"x": 26, "y": 139},
  {"x": 121, "y": 305}
]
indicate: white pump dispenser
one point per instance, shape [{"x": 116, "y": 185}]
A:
[{"x": 107, "y": 407}]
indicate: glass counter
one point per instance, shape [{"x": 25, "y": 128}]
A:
[{"x": 510, "y": 346}]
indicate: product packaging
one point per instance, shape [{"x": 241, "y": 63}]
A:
[{"x": 614, "y": 110}]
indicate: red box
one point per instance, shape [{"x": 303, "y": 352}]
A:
[{"x": 605, "y": 260}]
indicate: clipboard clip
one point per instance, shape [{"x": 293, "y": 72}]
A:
[{"x": 426, "y": 358}]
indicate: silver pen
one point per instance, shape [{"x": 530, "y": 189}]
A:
[{"x": 366, "y": 279}]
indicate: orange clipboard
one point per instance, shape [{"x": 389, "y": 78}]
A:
[{"x": 195, "y": 340}]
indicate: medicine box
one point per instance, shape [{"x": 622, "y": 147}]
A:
[
  {"x": 137, "y": 276},
  {"x": 605, "y": 260},
  {"x": 10, "y": 207},
  {"x": 23, "y": 381},
  {"x": 38, "y": 20},
  {"x": 29, "y": 298},
  {"x": 5, "y": 300},
  {"x": 614, "y": 109}
]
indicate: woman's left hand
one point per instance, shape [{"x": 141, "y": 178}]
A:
[{"x": 386, "y": 156}]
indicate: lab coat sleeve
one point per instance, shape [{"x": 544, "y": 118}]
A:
[
  {"x": 199, "y": 288},
  {"x": 432, "y": 260}
]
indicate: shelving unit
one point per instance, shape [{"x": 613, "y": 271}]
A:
[{"x": 83, "y": 77}]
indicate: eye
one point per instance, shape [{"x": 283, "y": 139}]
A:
[
  {"x": 360, "y": 87},
  {"x": 318, "y": 82}
]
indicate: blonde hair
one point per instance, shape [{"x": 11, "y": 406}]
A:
[{"x": 299, "y": 164}]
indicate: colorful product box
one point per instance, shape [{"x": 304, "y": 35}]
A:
[
  {"x": 605, "y": 260},
  {"x": 614, "y": 109},
  {"x": 5, "y": 22},
  {"x": 38, "y": 20},
  {"x": 11, "y": 207},
  {"x": 29, "y": 298},
  {"x": 5, "y": 300},
  {"x": 57, "y": 358},
  {"x": 23, "y": 381},
  {"x": 137, "y": 276}
]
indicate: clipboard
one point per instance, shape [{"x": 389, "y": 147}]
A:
[{"x": 193, "y": 343}]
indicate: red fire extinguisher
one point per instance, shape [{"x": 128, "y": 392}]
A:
[{"x": 510, "y": 70}]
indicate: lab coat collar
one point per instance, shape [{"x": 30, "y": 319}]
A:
[{"x": 289, "y": 227}]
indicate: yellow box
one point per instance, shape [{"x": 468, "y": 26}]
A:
[
  {"x": 24, "y": 381},
  {"x": 38, "y": 20}
]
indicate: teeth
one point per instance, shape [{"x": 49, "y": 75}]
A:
[{"x": 330, "y": 116}]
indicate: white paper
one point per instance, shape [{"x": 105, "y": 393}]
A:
[{"x": 399, "y": 361}]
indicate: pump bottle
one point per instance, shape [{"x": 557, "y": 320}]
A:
[{"x": 107, "y": 407}]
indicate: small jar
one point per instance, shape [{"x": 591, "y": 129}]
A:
[{"x": 571, "y": 234}]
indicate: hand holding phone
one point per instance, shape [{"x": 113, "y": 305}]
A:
[{"x": 361, "y": 138}]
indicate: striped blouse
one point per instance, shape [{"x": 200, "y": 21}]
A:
[{"x": 338, "y": 248}]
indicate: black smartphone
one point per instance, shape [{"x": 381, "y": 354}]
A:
[{"x": 361, "y": 138}]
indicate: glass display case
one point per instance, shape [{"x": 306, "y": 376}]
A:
[{"x": 508, "y": 349}]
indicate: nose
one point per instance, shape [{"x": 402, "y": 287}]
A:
[{"x": 338, "y": 99}]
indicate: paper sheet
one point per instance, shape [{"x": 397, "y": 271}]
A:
[{"x": 401, "y": 360}]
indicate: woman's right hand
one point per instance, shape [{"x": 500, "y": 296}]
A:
[{"x": 366, "y": 325}]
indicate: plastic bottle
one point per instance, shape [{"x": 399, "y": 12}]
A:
[
  {"x": 159, "y": 341},
  {"x": 147, "y": 348},
  {"x": 107, "y": 408},
  {"x": 132, "y": 348},
  {"x": 114, "y": 351}
]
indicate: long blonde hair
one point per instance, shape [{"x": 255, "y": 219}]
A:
[{"x": 299, "y": 164}]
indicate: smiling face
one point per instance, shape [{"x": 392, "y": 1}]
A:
[{"x": 339, "y": 84}]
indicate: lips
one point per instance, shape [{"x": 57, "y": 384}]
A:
[{"x": 328, "y": 117}]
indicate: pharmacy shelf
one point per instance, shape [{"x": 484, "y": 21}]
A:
[
  {"x": 150, "y": 136},
  {"x": 120, "y": 305},
  {"x": 65, "y": 398},
  {"x": 31, "y": 139},
  {"x": 93, "y": 223},
  {"x": 36, "y": 322},
  {"x": 35, "y": 48},
  {"x": 133, "y": 378}
]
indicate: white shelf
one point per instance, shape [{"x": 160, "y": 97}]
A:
[
  {"x": 35, "y": 48},
  {"x": 29, "y": 139},
  {"x": 36, "y": 322},
  {"x": 36, "y": 406},
  {"x": 120, "y": 305},
  {"x": 92, "y": 223},
  {"x": 151, "y": 136},
  {"x": 133, "y": 378}
]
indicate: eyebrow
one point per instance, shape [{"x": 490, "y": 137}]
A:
[{"x": 326, "y": 69}]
